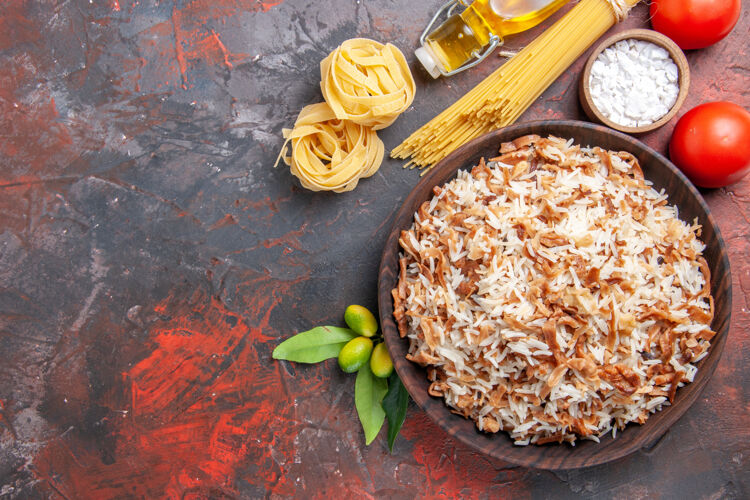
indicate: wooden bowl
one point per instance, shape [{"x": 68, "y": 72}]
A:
[
  {"x": 663, "y": 174},
  {"x": 654, "y": 37}
]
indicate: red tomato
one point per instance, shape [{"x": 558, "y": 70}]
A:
[
  {"x": 694, "y": 24},
  {"x": 711, "y": 144}
]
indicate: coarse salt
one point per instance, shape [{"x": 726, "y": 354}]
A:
[{"x": 634, "y": 83}]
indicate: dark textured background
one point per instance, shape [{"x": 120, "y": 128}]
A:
[{"x": 151, "y": 258}]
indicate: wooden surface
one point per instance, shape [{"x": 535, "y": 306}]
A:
[
  {"x": 647, "y": 35},
  {"x": 151, "y": 258},
  {"x": 586, "y": 453}
]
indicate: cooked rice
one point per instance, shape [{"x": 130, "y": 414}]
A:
[{"x": 552, "y": 293}]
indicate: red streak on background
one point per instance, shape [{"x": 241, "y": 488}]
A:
[
  {"x": 452, "y": 470},
  {"x": 33, "y": 139},
  {"x": 15, "y": 28},
  {"x": 36, "y": 138},
  {"x": 200, "y": 404},
  {"x": 193, "y": 44},
  {"x": 227, "y": 220}
]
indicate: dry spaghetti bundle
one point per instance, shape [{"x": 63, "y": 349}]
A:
[
  {"x": 329, "y": 154},
  {"x": 367, "y": 82},
  {"x": 501, "y": 97}
]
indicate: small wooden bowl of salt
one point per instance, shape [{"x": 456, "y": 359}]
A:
[{"x": 635, "y": 81}]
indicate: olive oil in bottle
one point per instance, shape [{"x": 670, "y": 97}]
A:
[{"x": 484, "y": 23}]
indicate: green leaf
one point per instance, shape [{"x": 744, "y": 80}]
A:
[
  {"x": 368, "y": 393},
  {"x": 395, "y": 404},
  {"x": 313, "y": 346}
]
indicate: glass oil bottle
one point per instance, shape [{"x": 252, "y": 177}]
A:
[{"x": 466, "y": 38}]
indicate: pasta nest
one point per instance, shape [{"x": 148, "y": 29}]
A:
[
  {"x": 367, "y": 82},
  {"x": 329, "y": 154}
]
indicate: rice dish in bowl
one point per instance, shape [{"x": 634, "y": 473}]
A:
[{"x": 552, "y": 293}]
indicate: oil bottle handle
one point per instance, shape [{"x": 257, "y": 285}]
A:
[
  {"x": 450, "y": 7},
  {"x": 494, "y": 42}
]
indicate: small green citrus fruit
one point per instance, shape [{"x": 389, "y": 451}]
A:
[
  {"x": 360, "y": 320},
  {"x": 355, "y": 354},
  {"x": 380, "y": 362}
]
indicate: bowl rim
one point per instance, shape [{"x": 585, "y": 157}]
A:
[
  {"x": 677, "y": 55},
  {"x": 519, "y": 455}
]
